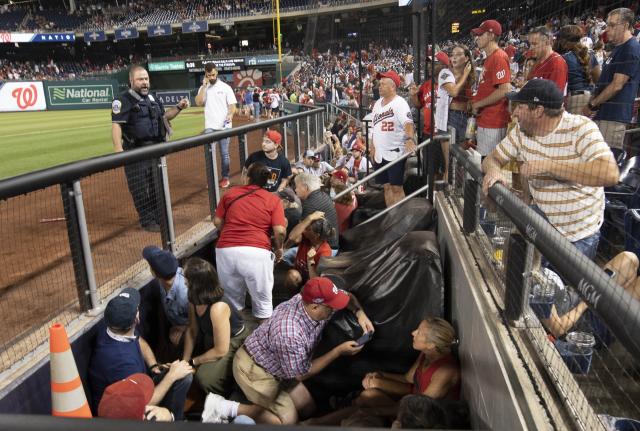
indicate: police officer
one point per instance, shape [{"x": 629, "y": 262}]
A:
[{"x": 138, "y": 120}]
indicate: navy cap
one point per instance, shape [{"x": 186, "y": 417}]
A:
[
  {"x": 163, "y": 262},
  {"x": 541, "y": 92},
  {"x": 121, "y": 311}
]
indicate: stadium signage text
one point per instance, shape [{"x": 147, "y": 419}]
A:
[
  {"x": 164, "y": 66},
  {"x": 22, "y": 96},
  {"x": 79, "y": 94},
  {"x": 222, "y": 64},
  {"x": 7, "y": 37},
  {"x": 171, "y": 98}
]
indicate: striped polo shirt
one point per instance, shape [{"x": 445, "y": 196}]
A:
[{"x": 575, "y": 210}]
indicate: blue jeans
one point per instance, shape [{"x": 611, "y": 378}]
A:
[
  {"x": 256, "y": 109},
  {"x": 225, "y": 160},
  {"x": 176, "y": 395},
  {"x": 458, "y": 120}
]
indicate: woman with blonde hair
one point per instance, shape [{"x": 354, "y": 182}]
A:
[
  {"x": 435, "y": 373},
  {"x": 583, "y": 67}
]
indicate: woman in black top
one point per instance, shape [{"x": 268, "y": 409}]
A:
[{"x": 215, "y": 331}]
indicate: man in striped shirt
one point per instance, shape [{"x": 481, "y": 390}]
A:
[
  {"x": 278, "y": 357},
  {"x": 564, "y": 159}
]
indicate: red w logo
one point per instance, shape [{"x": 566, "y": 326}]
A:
[{"x": 25, "y": 96}]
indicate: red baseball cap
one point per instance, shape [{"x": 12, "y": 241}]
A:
[
  {"x": 339, "y": 174},
  {"x": 276, "y": 137},
  {"x": 127, "y": 398},
  {"x": 357, "y": 147},
  {"x": 491, "y": 26},
  {"x": 392, "y": 75},
  {"x": 321, "y": 290},
  {"x": 442, "y": 57}
]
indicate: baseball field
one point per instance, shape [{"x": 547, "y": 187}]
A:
[{"x": 37, "y": 140}]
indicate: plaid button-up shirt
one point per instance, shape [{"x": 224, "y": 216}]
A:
[{"x": 284, "y": 344}]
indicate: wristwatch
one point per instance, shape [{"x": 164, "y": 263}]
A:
[
  {"x": 191, "y": 363},
  {"x": 592, "y": 107}
]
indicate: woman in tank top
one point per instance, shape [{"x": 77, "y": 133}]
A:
[
  {"x": 435, "y": 373},
  {"x": 215, "y": 331}
]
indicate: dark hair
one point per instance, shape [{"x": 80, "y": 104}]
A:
[
  {"x": 204, "y": 287},
  {"x": 322, "y": 228},
  {"x": 210, "y": 67},
  {"x": 569, "y": 40},
  {"x": 542, "y": 31},
  {"x": 346, "y": 199},
  {"x": 421, "y": 412},
  {"x": 258, "y": 174}
]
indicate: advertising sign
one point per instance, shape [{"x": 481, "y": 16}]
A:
[
  {"x": 159, "y": 30},
  {"x": 258, "y": 60},
  {"x": 22, "y": 96},
  {"x": 195, "y": 26},
  {"x": 95, "y": 36},
  {"x": 164, "y": 66},
  {"x": 126, "y": 33},
  {"x": 247, "y": 78},
  {"x": 222, "y": 64},
  {"x": 8, "y": 37},
  {"x": 79, "y": 94},
  {"x": 171, "y": 98}
]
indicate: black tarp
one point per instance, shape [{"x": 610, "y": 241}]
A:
[{"x": 398, "y": 285}]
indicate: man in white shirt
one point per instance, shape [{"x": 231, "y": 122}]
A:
[
  {"x": 392, "y": 135},
  {"x": 219, "y": 103}
]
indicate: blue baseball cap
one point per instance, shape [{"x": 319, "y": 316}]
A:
[
  {"x": 121, "y": 310},
  {"x": 163, "y": 262}
]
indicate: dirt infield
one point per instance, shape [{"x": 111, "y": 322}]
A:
[{"x": 37, "y": 281}]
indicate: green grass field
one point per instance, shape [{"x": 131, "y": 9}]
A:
[{"x": 36, "y": 140}]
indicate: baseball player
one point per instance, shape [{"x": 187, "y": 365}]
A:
[{"x": 392, "y": 135}]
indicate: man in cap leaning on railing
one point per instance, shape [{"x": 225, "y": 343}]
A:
[{"x": 564, "y": 159}]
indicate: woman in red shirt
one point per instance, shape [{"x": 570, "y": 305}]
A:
[
  {"x": 311, "y": 235},
  {"x": 435, "y": 373}
]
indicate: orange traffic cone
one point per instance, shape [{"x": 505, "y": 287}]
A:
[{"x": 67, "y": 395}]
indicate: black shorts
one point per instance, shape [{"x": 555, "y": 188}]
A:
[{"x": 394, "y": 175}]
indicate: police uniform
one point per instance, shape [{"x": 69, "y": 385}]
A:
[{"x": 142, "y": 121}]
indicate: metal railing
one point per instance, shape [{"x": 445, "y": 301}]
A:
[
  {"x": 610, "y": 385},
  {"x": 58, "y": 267}
]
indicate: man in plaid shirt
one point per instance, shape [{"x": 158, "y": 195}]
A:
[{"x": 277, "y": 357}]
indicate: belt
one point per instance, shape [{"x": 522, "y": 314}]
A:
[
  {"x": 464, "y": 111},
  {"x": 579, "y": 92}
]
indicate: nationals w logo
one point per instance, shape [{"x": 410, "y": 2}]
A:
[{"x": 25, "y": 96}]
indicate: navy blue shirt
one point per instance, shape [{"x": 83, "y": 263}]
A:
[
  {"x": 577, "y": 79},
  {"x": 624, "y": 59},
  {"x": 140, "y": 118},
  {"x": 111, "y": 361}
]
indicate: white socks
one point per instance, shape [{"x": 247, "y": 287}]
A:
[{"x": 230, "y": 408}]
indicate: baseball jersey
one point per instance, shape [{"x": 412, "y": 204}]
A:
[
  {"x": 424, "y": 98},
  {"x": 496, "y": 71},
  {"x": 553, "y": 68},
  {"x": 443, "y": 99},
  {"x": 388, "y": 128},
  {"x": 217, "y": 99}
]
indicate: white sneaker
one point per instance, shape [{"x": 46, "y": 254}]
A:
[{"x": 212, "y": 412}]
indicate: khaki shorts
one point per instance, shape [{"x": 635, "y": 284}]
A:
[
  {"x": 260, "y": 387},
  {"x": 612, "y": 132},
  {"x": 577, "y": 102}
]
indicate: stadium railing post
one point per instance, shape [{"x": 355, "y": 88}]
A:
[
  {"x": 242, "y": 147},
  {"x": 296, "y": 139},
  {"x": 212, "y": 177},
  {"x": 470, "y": 209},
  {"x": 308, "y": 140},
  {"x": 164, "y": 201},
  {"x": 518, "y": 266},
  {"x": 79, "y": 245},
  {"x": 319, "y": 136},
  {"x": 286, "y": 139}
]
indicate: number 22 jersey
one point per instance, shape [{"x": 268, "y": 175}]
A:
[{"x": 388, "y": 128}]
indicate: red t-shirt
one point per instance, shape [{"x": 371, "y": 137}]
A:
[
  {"x": 248, "y": 221},
  {"x": 344, "y": 214},
  {"x": 510, "y": 50},
  {"x": 301, "y": 256},
  {"x": 496, "y": 71},
  {"x": 424, "y": 98},
  {"x": 554, "y": 68}
]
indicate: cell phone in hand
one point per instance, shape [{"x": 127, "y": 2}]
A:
[{"x": 366, "y": 337}]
